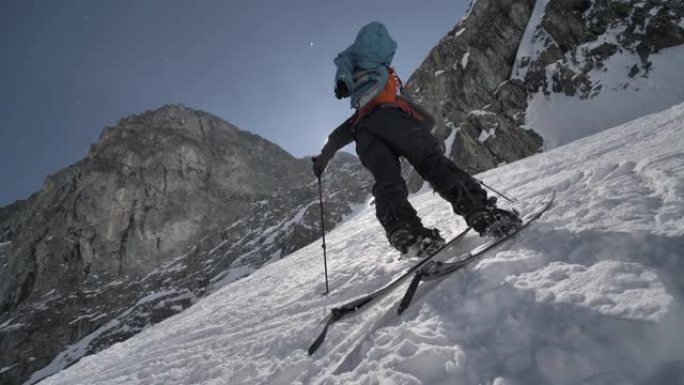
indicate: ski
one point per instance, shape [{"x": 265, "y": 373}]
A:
[
  {"x": 340, "y": 312},
  {"x": 434, "y": 270}
]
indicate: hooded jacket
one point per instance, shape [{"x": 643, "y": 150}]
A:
[{"x": 363, "y": 66}]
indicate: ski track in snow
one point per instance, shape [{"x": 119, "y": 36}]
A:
[{"x": 590, "y": 294}]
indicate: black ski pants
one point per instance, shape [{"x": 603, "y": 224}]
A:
[{"x": 388, "y": 133}]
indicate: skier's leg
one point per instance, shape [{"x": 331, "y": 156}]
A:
[
  {"x": 391, "y": 195},
  {"x": 422, "y": 150}
]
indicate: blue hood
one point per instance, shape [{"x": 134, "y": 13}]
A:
[{"x": 372, "y": 52}]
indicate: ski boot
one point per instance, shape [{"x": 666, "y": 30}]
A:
[
  {"x": 416, "y": 242},
  {"x": 492, "y": 221}
]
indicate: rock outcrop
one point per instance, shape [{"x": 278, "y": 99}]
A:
[
  {"x": 571, "y": 39},
  {"x": 565, "y": 69},
  {"x": 465, "y": 83}
]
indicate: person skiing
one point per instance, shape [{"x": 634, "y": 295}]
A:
[{"x": 385, "y": 126}]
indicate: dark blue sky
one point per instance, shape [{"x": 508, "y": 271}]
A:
[{"x": 70, "y": 68}]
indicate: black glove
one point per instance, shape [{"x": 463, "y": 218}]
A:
[
  {"x": 320, "y": 162},
  {"x": 341, "y": 90}
]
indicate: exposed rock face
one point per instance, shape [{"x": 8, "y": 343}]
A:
[
  {"x": 10, "y": 216},
  {"x": 575, "y": 37},
  {"x": 167, "y": 206},
  {"x": 513, "y": 66},
  {"x": 463, "y": 82}
]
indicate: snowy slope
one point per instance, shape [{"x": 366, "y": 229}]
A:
[{"x": 591, "y": 294}]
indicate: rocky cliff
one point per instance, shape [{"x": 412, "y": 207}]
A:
[
  {"x": 564, "y": 69},
  {"x": 167, "y": 206},
  {"x": 465, "y": 82}
]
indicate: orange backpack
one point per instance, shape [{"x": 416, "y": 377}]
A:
[{"x": 389, "y": 96}]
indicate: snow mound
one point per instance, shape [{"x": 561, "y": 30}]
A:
[
  {"x": 592, "y": 293},
  {"x": 614, "y": 288}
]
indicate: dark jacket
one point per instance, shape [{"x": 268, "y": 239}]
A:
[{"x": 345, "y": 132}]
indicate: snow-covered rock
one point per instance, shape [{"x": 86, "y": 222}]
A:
[
  {"x": 560, "y": 69},
  {"x": 590, "y": 65},
  {"x": 592, "y": 293}
]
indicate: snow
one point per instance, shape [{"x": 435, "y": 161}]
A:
[
  {"x": 449, "y": 142},
  {"x": 464, "y": 59},
  {"x": 270, "y": 234},
  {"x": 481, "y": 113},
  {"x": 231, "y": 275},
  {"x": 437, "y": 73},
  {"x": 626, "y": 290},
  {"x": 8, "y": 326},
  {"x": 154, "y": 296},
  {"x": 75, "y": 351},
  {"x": 356, "y": 209},
  {"x": 484, "y": 135},
  {"x": 592, "y": 293},
  {"x": 529, "y": 47},
  {"x": 471, "y": 6}
]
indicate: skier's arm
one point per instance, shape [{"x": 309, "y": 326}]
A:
[{"x": 340, "y": 137}]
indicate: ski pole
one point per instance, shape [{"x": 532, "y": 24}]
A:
[
  {"x": 496, "y": 192},
  {"x": 325, "y": 258}
]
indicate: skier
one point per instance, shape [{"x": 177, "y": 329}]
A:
[{"x": 386, "y": 126}]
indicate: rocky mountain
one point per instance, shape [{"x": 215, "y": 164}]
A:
[
  {"x": 564, "y": 69},
  {"x": 167, "y": 206},
  {"x": 589, "y": 65}
]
